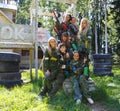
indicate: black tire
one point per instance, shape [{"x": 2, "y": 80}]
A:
[
  {"x": 9, "y": 67},
  {"x": 100, "y": 56},
  {"x": 95, "y": 70},
  {"x": 104, "y": 74},
  {"x": 11, "y": 83},
  {"x": 10, "y": 76},
  {"x": 104, "y": 61},
  {"x": 102, "y": 64},
  {"x": 9, "y": 57}
]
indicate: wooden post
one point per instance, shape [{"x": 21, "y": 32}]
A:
[
  {"x": 31, "y": 53},
  {"x": 36, "y": 39}
]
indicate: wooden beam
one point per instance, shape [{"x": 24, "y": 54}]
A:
[{"x": 65, "y": 1}]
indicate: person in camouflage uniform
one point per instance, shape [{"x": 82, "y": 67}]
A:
[
  {"x": 84, "y": 40},
  {"x": 66, "y": 22},
  {"x": 76, "y": 71},
  {"x": 73, "y": 30},
  {"x": 64, "y": 59},
  {"x": 65, "y": 40},
  {"x": 84, "y": 37},
  {"x": 63, "y": 72},
  {"x": 71, "y": 46},
  {"x": 63, "y": 26},
  {"x": 50, "y": 67},
  {"x": 80, "y": 83}
]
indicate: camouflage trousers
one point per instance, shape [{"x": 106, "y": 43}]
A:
[
  {"x": 58, "y": 83},
  {"x": 84, "y": 86},
  {"x": 48, "y": 83}
]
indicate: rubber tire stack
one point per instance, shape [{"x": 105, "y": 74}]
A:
[
  {"x": 9, "y": 69},
  {"x": 102, "y": 64}
]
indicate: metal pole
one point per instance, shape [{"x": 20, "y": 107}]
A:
[
  {"x": 106, "y": 35},
  {"x": 96, "y": 34},
  {"x": 31, "y": 20},
  {"x": 36, "y": 39},
  {"x": 74, "y": 9},
  {"x": 96, "y": 38}
]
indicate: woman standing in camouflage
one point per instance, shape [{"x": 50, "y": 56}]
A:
[
  {"x": 50, "y": 67},
  {"x": 84, "y": 41},
  {"x": 84, "y": 37}
]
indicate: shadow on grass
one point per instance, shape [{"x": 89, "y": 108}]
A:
[
  {"x": 37, "y": 84},
  {"x": 63, "y": 102},
  {"x": 112, "y": 104},
  {"x": 100, "y": 95},
  {"x": 60, "y": 101}
]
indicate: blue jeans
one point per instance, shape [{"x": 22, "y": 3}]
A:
[{"x": 76, "y": 89}]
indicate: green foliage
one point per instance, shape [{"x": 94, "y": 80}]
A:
[
  {"x": 23, "y": 12},
  {"x": 108, "y": 90},
  {"x": 115, "y": 27},
  {"x": 83, "y": 6},
  {"x": 48, "y": 21},
  {"x": 116, "y": 59},
  {"x": 115, "y": 10},
  {"x": 25, "y": 98}
]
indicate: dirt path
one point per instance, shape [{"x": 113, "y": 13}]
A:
[{"x": 97, "y": 107}]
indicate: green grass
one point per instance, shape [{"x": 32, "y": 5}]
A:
[
  {"x": 24, "y": 98},
  {"x": 108, "y": 90}
]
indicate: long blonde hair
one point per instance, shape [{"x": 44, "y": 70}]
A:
[
  {"x": 49, "y": 46},
  {"x": 81, "y": 30}
]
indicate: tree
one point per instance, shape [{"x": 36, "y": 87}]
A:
[
  {"x": 115, "y": 10},
  {"x": 23, "y": 12},
  {"x": 83, "y": 6},
  {"x": 115, "y": 29},
  {"x": 98, "y": 18},
  {"x": 49, "y": 21}
]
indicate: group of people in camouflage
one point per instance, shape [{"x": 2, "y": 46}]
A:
[{"x": 68, "y": 59}]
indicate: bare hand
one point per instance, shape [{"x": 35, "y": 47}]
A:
[
  {"x": 78, "y": 36},
  {"x": 85, "y": 59},
  {"x": 67, "y": 55},
  {"x": 47, "y": 73}
]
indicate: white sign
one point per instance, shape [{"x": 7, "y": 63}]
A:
[
  {"x": 43, "y": 35},
  {"x": 15, "y": 34}
]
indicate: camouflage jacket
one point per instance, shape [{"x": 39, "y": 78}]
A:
[
  {"x": 85, "y": 38},
  {"x": 73, "y": 30},
  {"x": 63, "y": 62},
  {"x": 50, "y": 61},
  {"x": 76, "y": 67}
]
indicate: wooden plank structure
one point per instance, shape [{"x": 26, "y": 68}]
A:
[
  {"x": 14, "y": 36},
  {"x": 4, "y": 18}
]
